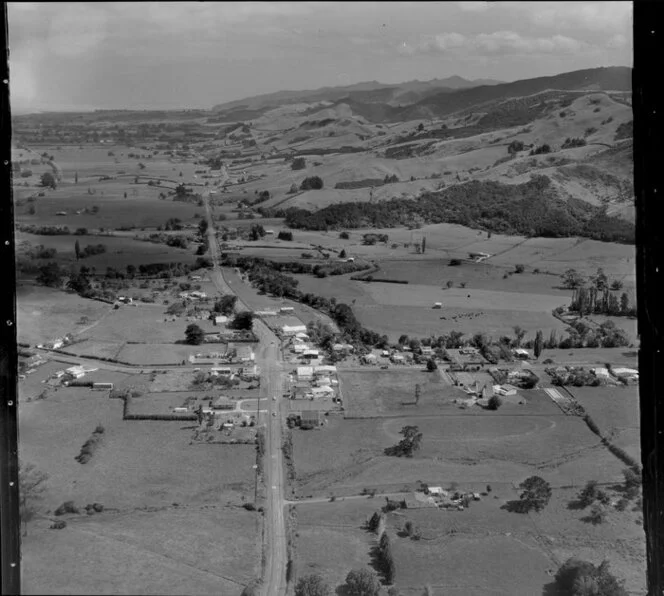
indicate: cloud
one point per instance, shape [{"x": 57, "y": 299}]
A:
[
  {"x": 474, "y": 6},
  {"x": 498, "y": 42}
]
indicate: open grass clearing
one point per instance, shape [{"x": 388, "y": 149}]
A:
[
  {"x": 159, "y": 354},
  {"x": 420, "y": 322},
  {"x": 187, "y": 550},
  {"x": 347, "y": 455},
  {"x": 139, "y": 463},
  {"x": 45, "y": 314},
  {"x": 139, "y": 324}
]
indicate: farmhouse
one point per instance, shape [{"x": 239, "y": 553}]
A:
[
  {"x": 80, "y": 370},
  {"x": 220, "y": 319},
  {"x": 626, "y": 373},
  {"x": 521, "y": 354},
  {"x": 222, "y": 403},
  {"x": 465, "y": 359},
  {"x": 305, "y": 373},
  {"x": 505, "y": 389}
]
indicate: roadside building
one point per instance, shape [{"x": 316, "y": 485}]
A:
[
  {"x": 305, "y": 373},
  {"x": 223, "y": 403}
]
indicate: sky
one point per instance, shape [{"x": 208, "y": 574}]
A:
[{"x": 172, "y": 55}]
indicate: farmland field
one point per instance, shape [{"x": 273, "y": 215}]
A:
[
  {"x": 45, "y": 314},
  {"x": 138, "y": 473},
  {"x": 446, "y": 557}
]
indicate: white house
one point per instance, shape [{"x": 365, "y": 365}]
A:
[
  {"x": 311, "y": 353},
  {"x": 305, "y": 373},
  {"x": 521, "y": 353},
  {"x": 506, "y": 389},
  {"x": 220, "y": 319},
  {"x": 436, "y": 490}
]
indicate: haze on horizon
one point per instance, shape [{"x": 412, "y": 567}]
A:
[{"x": 154, "y": 55}]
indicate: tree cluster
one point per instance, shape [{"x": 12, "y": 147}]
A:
[
  {"x": 411, "y": 442},
  {"x": 531, "y": 208}
]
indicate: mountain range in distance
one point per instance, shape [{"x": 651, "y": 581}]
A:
[
  {"x": 285, "y": 97},
  {"x": 379, "y": 102}
]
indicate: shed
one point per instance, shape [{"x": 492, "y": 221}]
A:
[
  {"x": 310, "y": 417},
  {"x": 293, "y": 329}
]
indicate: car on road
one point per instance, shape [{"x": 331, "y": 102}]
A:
[
  {"x": 274, "y": 398},
  {"x": 384, "y": 367},
  {"x": 274, "y": 414}
]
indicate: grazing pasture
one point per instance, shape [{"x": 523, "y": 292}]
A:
[
  {"x": 108, "y": 553},
  {"x": 45, "y": 314}
]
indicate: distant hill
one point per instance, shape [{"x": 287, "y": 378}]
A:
[
  {"x": 381, "y": 91},
  {"x": 443, "y": 103}
]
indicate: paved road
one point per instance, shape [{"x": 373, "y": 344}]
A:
[{"x": 268, "y": 358}]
